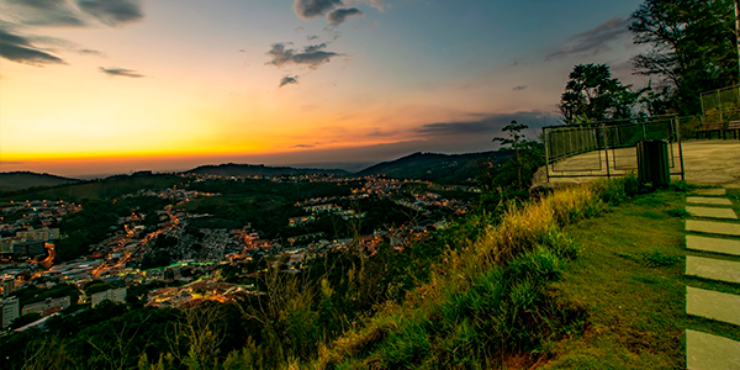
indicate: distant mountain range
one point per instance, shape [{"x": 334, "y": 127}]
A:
[
  {"x": 240, "y": 170},
  {"x": 442, "y": 168},
  {"x": 12, "y": 181}
]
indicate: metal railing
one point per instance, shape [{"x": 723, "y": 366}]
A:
[
  {"x": 608, "y": 148},
  {"x": 721, "y": 105}
]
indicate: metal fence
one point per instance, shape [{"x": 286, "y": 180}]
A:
[
  {"x": 721, "y": 105},
  {"x": 608, "y": 148}
]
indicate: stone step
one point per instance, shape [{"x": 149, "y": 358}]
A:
[
  {"x": 713, "y": 269},
  {"x": 709, "y": 201},
  {"x": 713, "y": 305},
  {"x": 711, "y": 352},
  {"x": 711, "y": 212},
  {"x": 713, "y": 227},
  {"x": 713, "y": 245},
  {"x": 711, "y": 192}
]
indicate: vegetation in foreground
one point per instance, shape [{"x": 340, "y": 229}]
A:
[{"x": 629, "y": 279}]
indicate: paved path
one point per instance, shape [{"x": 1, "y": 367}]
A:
[
  {"x": 707, "y": 162},
  {"x": 705, "y": 351}
]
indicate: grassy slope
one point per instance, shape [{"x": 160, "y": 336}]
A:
[
  {"x": 636, "y": 312},
  {"x": 485, "y": 305}
]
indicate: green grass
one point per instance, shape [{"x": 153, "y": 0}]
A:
[
  {"x": 487, "y": 304},
  {"x": 629, "y": 278}
]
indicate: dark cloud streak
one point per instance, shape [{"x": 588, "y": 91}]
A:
[
  {"x": 312, "y": 56},
  {"x": 121, "y": 72},
  {"x": 19, "y": 49},
  {"x": 593, "y": 41},
  {"x": 338, "y": 16},
  {"x": 307, "y": 9},
  {"x": 288, "y": 80},
  {"x": 45, "y": 13},
  {"x": 113, "y": 12},
  {"x": 491, "y": 124}
]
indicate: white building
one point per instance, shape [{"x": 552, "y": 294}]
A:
[
  {"x": 8, "y": 285},
  {"x": 8, "y": 311},
  {"x": 44, "y": 234},
  {"x": 47, "y": 306},
  {"x": 113, "y": 295}
]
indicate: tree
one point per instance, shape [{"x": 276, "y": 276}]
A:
[
  {"x": 693, "y": 48},
  {"x": 525, "y": 154},
  {"x": 591, "y": 94}
]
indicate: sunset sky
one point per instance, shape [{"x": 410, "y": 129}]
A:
[{"x": 93, "y": 87}]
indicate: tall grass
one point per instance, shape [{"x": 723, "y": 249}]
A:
[{"x": 486, "y": 303}]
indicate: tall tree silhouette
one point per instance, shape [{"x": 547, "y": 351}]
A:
[
  {"x": 693, "y": 47},
  {"x": 591, "y": 94}
]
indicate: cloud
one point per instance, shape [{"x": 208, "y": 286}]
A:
[
  {"x": 338, "y": 16},
  {"x": 312, "y": 37},
  {"x": 90, "y": 52},
  {"x": 19, "y": 49},
  {"x": 121, "y": 72},
  {"x": 378, "y": 133},
  {"x": 377, "y": 4},
  {"x": 57, "y": 13},
  {"x": 490, "y": 124},
  {"x": 307, "y": 9},
  {"x": 519, "y": 87},
  {"x": 314, "y": 48},
  {"x": 113, "y": 12},
  {"x": 44, "y": 12},
  {"x": 288, "y": 80},
  {"x": 593, "y": 41},
  {"x": 312, "y": 56},
  {"x": 303, "y": 146}
]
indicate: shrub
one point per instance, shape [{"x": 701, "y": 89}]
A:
[
  {"x": 657, "y": 259},
  {"x": 490, "y": 298},
  {"x": 677, "y": 212},
  {"x": 681, "y": 186}
]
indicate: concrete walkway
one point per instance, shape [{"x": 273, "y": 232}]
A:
[
  {"x": 705, "y": 351},
  {"x": 707, "y": 162}
]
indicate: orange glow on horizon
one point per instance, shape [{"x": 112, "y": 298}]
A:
[{"x": 184, "y": 153}]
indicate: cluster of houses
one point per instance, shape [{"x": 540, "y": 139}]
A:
[
  {"x": 316, "y": 211},
  {"x": 29, "y": 242},
  {"x": 195, "y": 293},
  {"x": 117, "y": 259},
  {"x": 11, "y": 307},
  {"x": 25, "y": 227}
]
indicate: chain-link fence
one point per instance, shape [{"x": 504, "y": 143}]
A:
[
  {"x": 608, "y": 148},
  {"x": 721, "y": 105}
]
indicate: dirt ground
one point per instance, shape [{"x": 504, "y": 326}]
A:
[{"x": 706, "y": 162}]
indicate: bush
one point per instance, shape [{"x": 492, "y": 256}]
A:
[
  {"x": 656, "y": 259},
  {"x": 681, "y": 186},
  {"x": 490, "y": 298},
  {"x": 677, "y": 212}
]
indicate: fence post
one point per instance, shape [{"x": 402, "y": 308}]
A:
[
  {"x": 719, "y": 107},
  {"x": 680, "y": 147},
  {"x": 547, "y": 154},
  {"x": 606, "y": 149}
]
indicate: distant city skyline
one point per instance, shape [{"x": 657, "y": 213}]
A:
[{"x": 92, "y": 87}]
